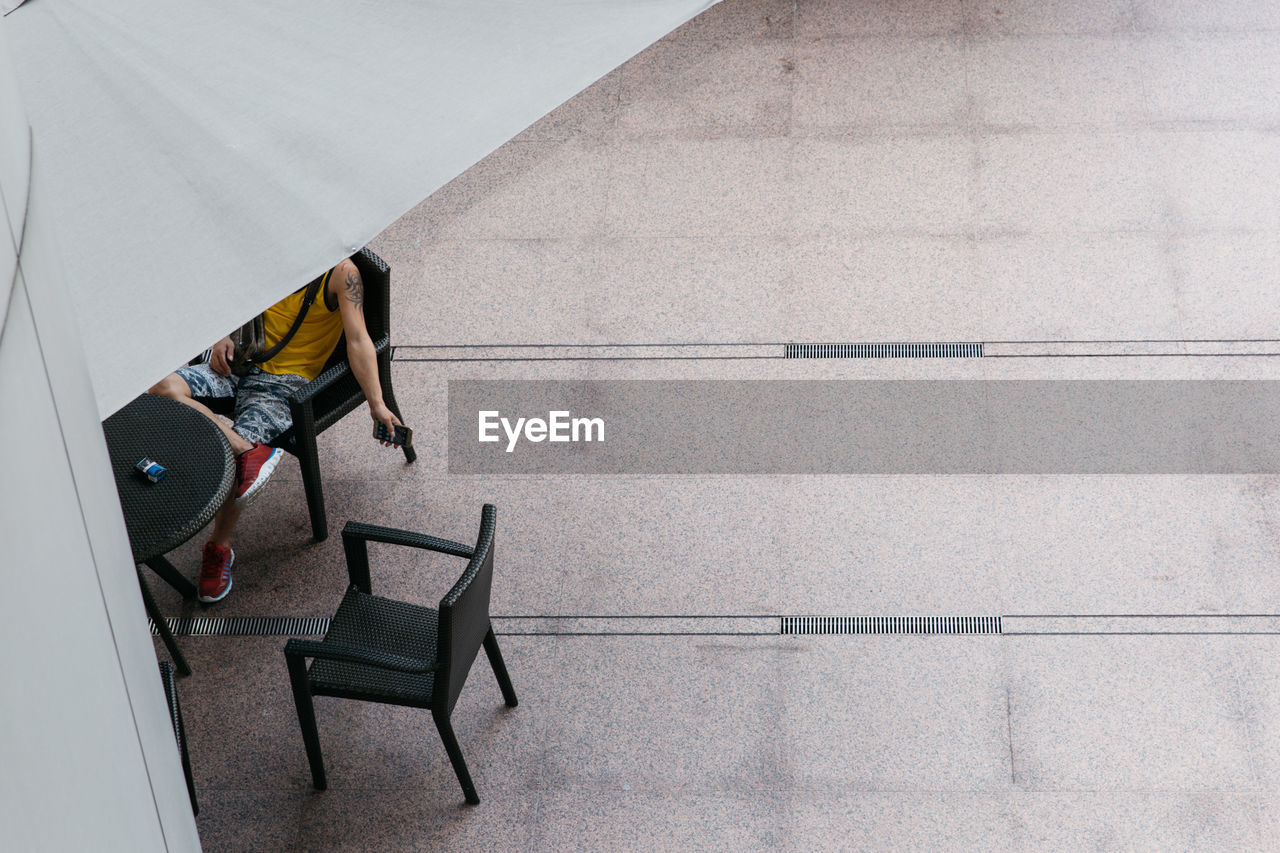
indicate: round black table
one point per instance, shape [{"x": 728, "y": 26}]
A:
[
  {"x": 198, "y": 472},
  {"x": 161, "y": 516}
]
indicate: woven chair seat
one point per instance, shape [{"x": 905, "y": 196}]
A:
[{"x": 379, "y": 624}]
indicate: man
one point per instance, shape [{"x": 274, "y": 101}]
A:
[{"x": 261, "y": 398}]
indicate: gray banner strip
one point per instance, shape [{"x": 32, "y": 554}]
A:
[{"x": 864, "y": 427}]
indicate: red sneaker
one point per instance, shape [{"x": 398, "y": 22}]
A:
[
  {"x": 215, "y": 572},
  {"x": 253, "y": 467}
]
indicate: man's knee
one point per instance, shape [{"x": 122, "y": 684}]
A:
[{"x": 172, "y": 386}]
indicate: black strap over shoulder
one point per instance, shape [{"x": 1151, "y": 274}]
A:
[{"x": 312, "y": 290}]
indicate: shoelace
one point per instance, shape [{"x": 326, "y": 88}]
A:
[{"x": 223, "y": 566}]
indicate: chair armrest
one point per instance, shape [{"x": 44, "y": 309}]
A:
[
  {"x": 356, "y": 536},
  {"x": 308, "y": 392},
  {"x": 373, "y": 533},
  {"x": 354, "y": 654}
]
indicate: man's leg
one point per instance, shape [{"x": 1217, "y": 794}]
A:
[
  {"x": 217, "y": 558},
  {"x": 176, "y": 387},
  {"x": 224, "y": 523},
  {"x": 261, "y": 414},
  {"x": 185, "y": 386}
]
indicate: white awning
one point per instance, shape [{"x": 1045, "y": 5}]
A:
[{"x": 204, "y": 159}]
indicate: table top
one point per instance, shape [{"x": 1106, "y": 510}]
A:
[{"x": 198, "y": 472}]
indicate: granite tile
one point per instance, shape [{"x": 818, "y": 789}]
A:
[
  {"x": 884, "y": 288},
  {"x": 1048, "y": 17},
  {"x": 1132, "y": 544},
  {"x": 498, "y": 291},
  {"x": 241, "y": 724},
  {"x": 233, "y": 820},
  {"x": 1138, "y": 820},
  {"x": 1203, "y": 78},
  {"x": 1101, "y": 714},
  {"x": 402, "y": 818},
  {"x": 484, "y": 187},
  {"x": 1077, "y": 287},
  {"x": 1054, "y": 81},
  {"x": 658, "y": 715},
  {"x": 1269, "y": 820},
  {"x": 869, "y": 186},
  {"x": 1232, "y": 366},
  {"x": 1219, "y": 179},
  {"x": 900, "y": 820},
  {"x": 740, "y": 19},
  {"x": 1205, "y": 15},
  {"x": 896, "y": 713},
  {"x": 879, "y": 82},
  {"x": 816, "y": 19},
  {"x": 642, "y": 820},
  {"x": 707, "y": 88},
  {"x": 680, "y": 290},
  {"x": 530, "y": 190},
  {"x": 657, "y": 545},
  {"x": 700, "y": 188},
  {"x": 1226, "y": 286},
  {"x": 1053, "y": 182},
  {"x": 887, "y": 546},
  {"x": 1259, "y": 675}
]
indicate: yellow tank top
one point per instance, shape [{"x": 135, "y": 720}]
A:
[{"x": 313, "y": 343}]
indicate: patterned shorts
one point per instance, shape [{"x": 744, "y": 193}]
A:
[{"x": 262, "y": 399}]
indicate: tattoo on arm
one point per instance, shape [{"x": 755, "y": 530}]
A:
[{"x": 355, "y": 290}]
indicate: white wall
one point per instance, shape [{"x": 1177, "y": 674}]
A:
[{"x": 87, "y": 755}]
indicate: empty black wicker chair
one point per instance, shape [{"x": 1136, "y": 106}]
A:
[
  {"x": 381, "y": 650},
  {"x": 333, "y": 394}
]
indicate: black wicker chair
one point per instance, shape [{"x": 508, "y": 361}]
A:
[
  {"x": 379, "y": 650},
  {"x": 333, "y": 394}
]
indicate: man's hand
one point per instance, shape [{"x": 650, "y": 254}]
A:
[
  {"x": 220, "y": 360},
  {"x": 381, "y": 414}
]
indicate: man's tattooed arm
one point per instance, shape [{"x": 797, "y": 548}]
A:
[{"x": 355, "y": 290}]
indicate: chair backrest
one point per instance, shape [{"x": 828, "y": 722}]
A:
[
  {"x": 376, "y": 276},
  {"x": 464, "y": 618}
]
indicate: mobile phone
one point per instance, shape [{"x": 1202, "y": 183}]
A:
[{"x": 403, "y": 436}]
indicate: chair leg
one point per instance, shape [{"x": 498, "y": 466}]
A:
[
  {"x": 307, "y": 719},
  {"x": 309, "y": 463},
  {"x": 500, "y": 668},
  {"x": 455, "y": 756},
  {"x": 162, "y": 626},
  {"x": 179, "y": 731}
]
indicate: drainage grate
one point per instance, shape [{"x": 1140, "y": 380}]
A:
[
  {"x": 246, "y": 626},
  {"x": 890, "y": 625},
  {"x": 954, "y": 350}
]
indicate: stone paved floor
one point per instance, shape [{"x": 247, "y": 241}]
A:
[{"x": 1089, "y": 187}]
